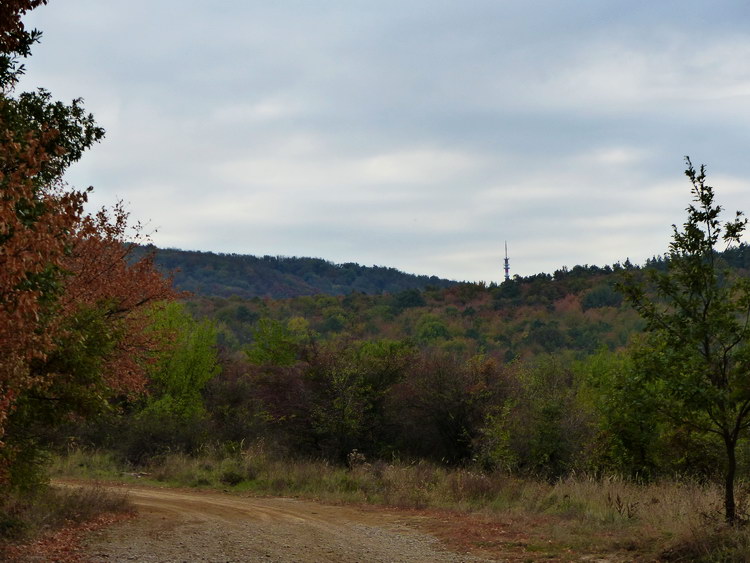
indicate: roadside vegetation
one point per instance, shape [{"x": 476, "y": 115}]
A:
[
  {"x": 51, "y": 507},
  {"x": 75, "y": 310},
  {"x": 677, "y": 519}
]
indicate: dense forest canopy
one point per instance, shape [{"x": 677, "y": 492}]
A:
[
  {"x": 248, "y": 276},
  {"x": 225, "y": 275}
]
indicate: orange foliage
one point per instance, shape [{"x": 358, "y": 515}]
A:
[
  {"x": 101, "y": 273},
  {"x": 56, "y": 262},
  {"x": 568, "y": 304},
  {"x": 34, "y": 229}
]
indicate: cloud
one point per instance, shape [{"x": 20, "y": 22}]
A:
[{"x": 414, "y": 134}]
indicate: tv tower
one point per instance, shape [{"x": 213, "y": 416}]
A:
[{"x": 507, "y": 263}]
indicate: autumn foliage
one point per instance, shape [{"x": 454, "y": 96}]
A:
[
  {"x": 33, "y": 226},
  {"x": 100, "y": 273},
  {"x": 71, "y": 299}
]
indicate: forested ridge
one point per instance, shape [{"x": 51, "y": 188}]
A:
[
  {"x": 574, "y": 309},
  {"x": 226, "y": 275}
]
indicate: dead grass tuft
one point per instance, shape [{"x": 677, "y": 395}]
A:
[{"x": 50, "y": 508}]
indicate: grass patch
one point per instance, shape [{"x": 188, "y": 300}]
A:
[
  {"x": 23, "y": 517},
  {"x": 672, "y": 520},
  {"x": 711, "y": 544},
  {"x": 88, "y": 464}
]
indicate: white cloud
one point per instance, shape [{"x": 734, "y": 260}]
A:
[
  {"x": 416, "y": 166},
  {"x": 624, "y": 75},
  {"x": 419, "y": 135},
  {"x": 269, "y": 109},
  {"x": 326, "y": 171}
]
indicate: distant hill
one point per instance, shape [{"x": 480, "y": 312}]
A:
[
  {"x": 574, "y": 311},
  {"x": 224, "y": 275}
]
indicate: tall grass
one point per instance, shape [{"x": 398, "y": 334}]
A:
[
  {"x": 680, "y": 517},
  {"x": 88, "y": 464}
]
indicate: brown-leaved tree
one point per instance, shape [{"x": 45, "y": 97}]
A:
[{"x": 72, "y": 301}]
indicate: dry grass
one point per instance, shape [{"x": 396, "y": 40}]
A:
[
  {"x": 86, "y": 464},
  {"x": 674, "y": 520},
  {"x": 51, "y": 508}
]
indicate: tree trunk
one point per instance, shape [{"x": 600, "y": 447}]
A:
[{"x": 729, "y": 504}]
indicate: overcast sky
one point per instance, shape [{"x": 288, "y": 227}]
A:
[{"x": 418, "y": 134}]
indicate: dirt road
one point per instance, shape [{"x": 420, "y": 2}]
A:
[{"x": 206, "y": 526}]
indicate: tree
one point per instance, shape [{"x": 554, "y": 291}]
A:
[
  {"x": 101, "y": 272},
  {"x": 329, "y": 397},
  {"x": 186, "y": 361},
  {"x": 697, "y": 361},
  {"x": 15, "y": 41},
  {"x": 71, "y": 299},
  {"x": 172, "y": 416},
  {"x": 38, "y": 140},
  {"x": 442, "y": 404},
  {"x": 626, "y": 423},
  {"x": 348, "y": 385},
  {"x": 277, "y": 343},
  {"x": 96, "y": 343}
]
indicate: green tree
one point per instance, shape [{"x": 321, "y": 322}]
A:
[
  {"x": 698, "y": 359},
  {"x": 186, "y": 361},
  {"x": 545, "y": 422},
  {"x": 350, "y": 384},
  {"x": 173, "y": 415},
  {"x": 276, "y": 343},
  {"x": 430, "y": 327},
  {"x": 626, "y": 422}
]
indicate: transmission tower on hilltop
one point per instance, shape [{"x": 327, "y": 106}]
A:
[{"x": 507, "y": 263}]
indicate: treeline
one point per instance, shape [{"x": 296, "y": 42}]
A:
[
  {"x": 517, "y": 319},
  {"x": 544, "y": 376},
  {"x": 226, "y": 275},
  {"x": 380, "y": 399}
]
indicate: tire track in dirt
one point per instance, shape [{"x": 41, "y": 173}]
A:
[{"x": 208, "y": 526}]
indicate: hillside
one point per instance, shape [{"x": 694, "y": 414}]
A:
[
  {"x": 245, "y": 276},
  {"x": 574, "y": 310}
]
